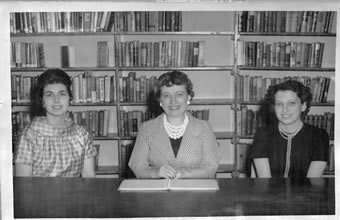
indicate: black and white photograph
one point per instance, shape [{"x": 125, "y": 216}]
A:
[{"x": 169, "y": 109}]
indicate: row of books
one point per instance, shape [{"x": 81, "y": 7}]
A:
[
  {"x": 249, "y": 120},
  {"x": 280, "y": 54},
  {"x": 130, "y": 121},
  {"x": 325, "y": 121},
  {"x": 160, "y": 54},
  {"x": 27, "y": 54},
  {"x": 99, "y": 123},
  {"x": 96, "y": 21},
  {"x": 254, "y": 88},
  {"x": 87, "y": 88},
  {"x": 286, "y": 21},
  {"x": 136, "y": 89},
  {"x": 21, "y": 87},
  {"x": 20, "y": 119}
]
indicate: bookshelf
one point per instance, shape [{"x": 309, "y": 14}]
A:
[{"x": 208, "y": 46}]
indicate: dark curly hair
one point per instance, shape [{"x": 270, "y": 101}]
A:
[
  {"x": 174, "y": 77},
  {"x": 302, "y": 91},
  {"x": 50, "y": 76}
]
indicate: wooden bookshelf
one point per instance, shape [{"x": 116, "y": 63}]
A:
[{"x": 221, "y": 34}]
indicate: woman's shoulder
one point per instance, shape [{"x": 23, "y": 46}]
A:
[{"x": 314, "y": 130}]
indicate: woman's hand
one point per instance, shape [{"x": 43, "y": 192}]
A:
[
  {"x": 182, "y": 173},
  {"x": 167, "y": 172}
]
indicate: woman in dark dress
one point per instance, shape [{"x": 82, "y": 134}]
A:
[{"x": 288, "y": 147}]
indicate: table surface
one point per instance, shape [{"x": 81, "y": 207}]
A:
[{"x": 96, "y": 197}]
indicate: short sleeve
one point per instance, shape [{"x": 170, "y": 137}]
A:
[
  {"x": 23, "y": 152},
  {"x": 320, "y": 146},
  {"x": 259, "y": 147},
  {"x": 90, "y": 150}
]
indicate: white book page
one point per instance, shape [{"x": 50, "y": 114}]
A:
[
  {"x": 143, "y": 184},
  {"x": 193, "y": 184}
]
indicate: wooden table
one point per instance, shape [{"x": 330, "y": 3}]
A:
[{"x": 80, "y": 197}]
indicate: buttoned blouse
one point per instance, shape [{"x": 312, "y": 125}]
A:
[
  {"x": 54, "y": 151},
  {"x": 198, "y": 148}
]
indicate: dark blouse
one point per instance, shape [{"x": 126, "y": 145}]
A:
[
  {"x": 309, "y": 144},
  {"x": 175, "y": 143}
]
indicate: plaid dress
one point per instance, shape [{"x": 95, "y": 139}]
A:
[{"x": 54, "y": 151}]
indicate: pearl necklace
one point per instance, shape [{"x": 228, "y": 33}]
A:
[{"x": 175, "y": 132}]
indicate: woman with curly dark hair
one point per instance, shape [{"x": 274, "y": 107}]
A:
[
  {"x": 53, "y": 145},
  {"x": 175, "y": 144},
  {"x": 288, "y": 147}
]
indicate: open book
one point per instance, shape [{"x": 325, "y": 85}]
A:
[{"x": 168, "y": 184}]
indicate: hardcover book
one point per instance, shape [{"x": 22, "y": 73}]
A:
[{"x": 168, "y": 184}]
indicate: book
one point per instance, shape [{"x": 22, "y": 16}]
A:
[{"x": 168, "y": 184}]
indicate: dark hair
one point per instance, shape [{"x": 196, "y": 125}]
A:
[
  {"x": 174, "y": 77},
  {"x": 302, "y": 91},
  {"x": 50, "y": 76}
]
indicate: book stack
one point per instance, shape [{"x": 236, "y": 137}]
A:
[
  {"x": 68, "y": 58},
  {"x": 280, "y": 54},
  {"x": 248, "y": 121},
  {"x": 96, "y": 21},
  {"x": 136, "y": 89},
  {"x": 106, "y": 54},
  {"x": 286, "y": 21},
  {"x": 87, "y": 88},
  {"x": 254, "y": 88},
  {"x": 161, "y": 53},
  {"x": 202, "y": 114},
  {"x": 130, "y": 121},
  {"x": 325, "y": 121},
  {"x": 27, "y": 55},
  {"x": 98, "y": 123},
  {"x": 20, "y": 119}
]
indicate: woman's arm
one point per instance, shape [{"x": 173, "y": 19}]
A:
[
  {"x": 262, "y": 167},
  {"x": 88, "y": 169},
  {"x": 316, "y": 168},
  {"x": 23, "y": 169}
]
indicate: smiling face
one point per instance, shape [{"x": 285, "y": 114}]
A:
[
  {"x": 288, "y": 108},
  {"x": 55, "y": 100},
  {"x": 174, "y": 100}
]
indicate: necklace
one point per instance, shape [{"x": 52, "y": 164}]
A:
[
  {"x": 289, "y": 137},
  {"x": 175, "y": 132}
]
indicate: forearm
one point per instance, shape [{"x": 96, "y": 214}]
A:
[
  {"x": 208, "y": 171},
  {"x": 147, "y": 173},
  {"x": 262, "y": 167},
  {"x": 316, "y": 169}
]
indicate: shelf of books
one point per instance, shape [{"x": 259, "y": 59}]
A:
[{"x": 114, "y": 59}]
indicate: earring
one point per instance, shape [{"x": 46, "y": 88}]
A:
[
  {"x": 188, "y": 102},
  {"x": 160, "y": 104}
]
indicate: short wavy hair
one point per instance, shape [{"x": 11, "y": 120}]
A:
[
  {"x": 50, "y": 76},
  {"x": 302, "y": 91},
  {"x": 174, "y": 77}
]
